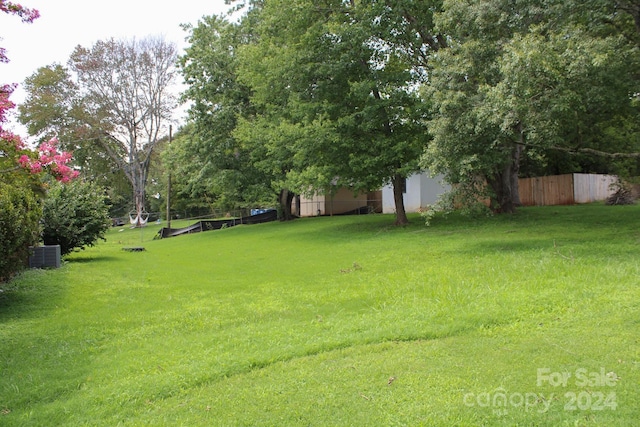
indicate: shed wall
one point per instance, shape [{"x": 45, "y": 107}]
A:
[{"x": 422, "y": 190}]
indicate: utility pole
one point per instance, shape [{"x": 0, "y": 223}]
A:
[{"x": 169, "y": 187}]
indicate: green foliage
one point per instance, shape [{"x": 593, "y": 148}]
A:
[
  {"x": 334, "y": 89},
  {"x": 20, "y": 209},
  {"x": 20, "y": 213},
  {"x": 75, "y": 215},
  {"x": 50, "y": 105},
  {"x": 112, "y": 105},
  {"x": 209, "y": 166},
  {"x": 524, "y": 80},
  {"x": 306, "y": 95}
]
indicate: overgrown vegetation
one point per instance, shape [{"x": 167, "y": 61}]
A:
[
  {"x": 334, "y": 321},
  {"x": 622, "y": 194}
]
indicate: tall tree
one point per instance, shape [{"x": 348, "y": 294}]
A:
[
  {"x": 214, "y": 168},
  {"x": 53, "y": 107},
  {"x": 334, "y": 87},
  {"x": 125, "y": 88},
  {"x": 518, "y": 79}
]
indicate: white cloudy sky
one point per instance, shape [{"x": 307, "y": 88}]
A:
[{"x": 64, "y": 24}]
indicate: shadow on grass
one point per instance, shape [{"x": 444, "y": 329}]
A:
[
  {"x": 576, "y": 218},
  {"x": 83, "y": 259},
  {"x": 30, "y": 294},
  {"x": 503, "y": 246},
  {"x": 353, "y": 226}
]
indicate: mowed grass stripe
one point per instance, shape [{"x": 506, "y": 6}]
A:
[{"x": 304, "y": 323}]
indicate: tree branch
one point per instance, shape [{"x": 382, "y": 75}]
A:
[
  {"x": 13, "y": 169},
  {"x": 585, "y": 151},
  {"x": 633, "y": 9}
]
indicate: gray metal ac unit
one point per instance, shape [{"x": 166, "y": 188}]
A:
[{"x": 45, "y": 256}]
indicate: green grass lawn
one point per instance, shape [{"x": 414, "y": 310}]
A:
[{"x": 344, "y": 321}]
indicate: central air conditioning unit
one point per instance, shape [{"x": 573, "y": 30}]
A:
[{"x": 45, "y": 256}]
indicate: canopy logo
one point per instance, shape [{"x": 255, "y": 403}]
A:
[{"x": 584, "y": 390}]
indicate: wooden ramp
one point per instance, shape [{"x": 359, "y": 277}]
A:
[{"x": 208, "y": 225}]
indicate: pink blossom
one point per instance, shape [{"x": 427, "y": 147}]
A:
[
  {"x": 27, "y": 15},
  {"x": 63, "y": 157},
  {"x": 50, "y": 159},
  {"x": 5, "y": 103},
  {"x": 60, "y": 168},
  {"x": 36, "y": 167},
  {"x": 11, "y": 138}
]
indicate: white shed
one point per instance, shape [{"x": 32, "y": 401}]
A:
[
  {"x": 421, "y": 190},
  {"x": 343, "y": 201}
]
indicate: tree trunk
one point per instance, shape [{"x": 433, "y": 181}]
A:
[
  {"x": 139, "y": 186},
  {"x": 502, "y": 200},
  {"x": 516, "y": 152},
  {"x": 138, "y": 203},
  {"x": 285, "y": 199},
  {"x": 504, "y": 184},
  {"x": 398, "y": 197}
]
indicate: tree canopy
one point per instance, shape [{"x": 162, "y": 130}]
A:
[
  {"x": 355, "y": 93},
  {"x": 54, "y": 107},
  {"x": 329, "y": 92},
  {"x": 127, "y": 95},
  {"x": 212, "y": 167},
  {"x": 522, "y": 80}
]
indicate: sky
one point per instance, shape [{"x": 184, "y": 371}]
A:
[{"x": 65, "y": 24}]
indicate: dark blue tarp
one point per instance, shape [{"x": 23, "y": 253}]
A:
[{"x": 217, "y": 224}]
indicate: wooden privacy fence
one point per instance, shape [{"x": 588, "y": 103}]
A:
[{"x": 565, "y": 189}]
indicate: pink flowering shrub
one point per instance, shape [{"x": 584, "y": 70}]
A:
[
  {"x": 48, "y": 159},
  {"x": 51, "y": 160},
  {"x": 20, "y": 206}
]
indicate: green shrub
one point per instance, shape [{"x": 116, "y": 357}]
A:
[
  {"x": 20, "y": 213},
  {"x": 75, "y": 215}
]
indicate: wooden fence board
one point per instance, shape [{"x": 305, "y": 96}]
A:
[
  {"x": 589, "y": 188},
  {"x": 564, "y": 189},
  {"x": 546, "y": 190}
]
